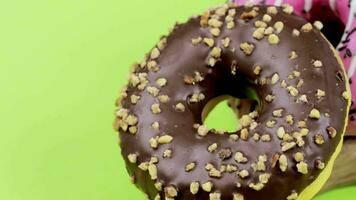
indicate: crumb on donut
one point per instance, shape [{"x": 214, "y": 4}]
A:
[
  {"x": 161, "y": 82},
  {"x": 202, "y": 130},
  {"x": 247, "y": 48},
  {"x": 165, "y": 139},
  {"x": 244, "y": 134},
  {"x": 288, "y": 145},
  {"x": 293, "y": 196},
  {"x": 272, "y": 10},
  {"x": 319, "y": 139},
  {"x": 303, "y": 98},
  {"x": 134, "y": 98},
  {"x": 259, "y": 33},
  {"x": 215, "y": 31},
  {"x": 155, "y": 125},
  {"x": 190, "y": 166},
  {"x": 216, "y": 52},
  {"x": 212, "y": 147},
  {"x": 196, "y": 97},
  {"x": 163, "y": 98},
  {"x": 260, "y": 24},
  {"x": 155, "y": 53},
  {"x": 196, "y": 41},
  {"x": 248, "y": 15},
  {"x": 288, "y": 8},
  {"x": 283, "y": 163},
  {"x": 320, "y": 93},
  {"x": 266, "y": 18},
  {"x": 170, "y": 191},
  {"x": 293, "y": 55},
  {"x": 302, "y": 167},
  {"x": 331, "y": 131},
  {"x": 296, "y": 33},
  {"x": 132, "y": 158},
  {"x": 269, "y": 98},
  {"x": 226, "y": 42},
  {"x": 319, "y": 164},
  {"x": 314, "y": 114},
  {"x": 207, "y": 187},
  {"x": 257, "y": 70},
  {"x": 155, "y": 108},
  {"x": 268, "y": 31},
  {"x": 230, "y": 25},
  {"x": 346, "y": 95},
  {"x": 307, "y": 27},
  {"x": 152, "y": 90},
  {"x": 209, "y": 41},
  {"x": 281, "y": 132},
  {"x": 194, "y": 187},
  {"x": 167, "y": 153},
  {"x": 317, "y": 63},
  {"x": 244, "y": 173},
  {"x": 277, "y": 113},
  {"x": 152, "y": 170},
  {"x": 180, "y": 107},
  {"x": 215, "y": 196},
  {"x": 318, "y": 24},
  {"x": 240, "y": 158},
  {"x": 238, "y": 196},
  {"x": 274, "y": 79},
  {"x": 278, "y": 26}
]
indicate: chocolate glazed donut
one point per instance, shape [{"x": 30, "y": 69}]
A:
[{"x": 286, "y": 147}]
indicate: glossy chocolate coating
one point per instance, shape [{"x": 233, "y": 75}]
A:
[{"x": 180, "y": 58}]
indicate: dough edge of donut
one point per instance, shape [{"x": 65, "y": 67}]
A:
[{"x": 312, "y": 190}]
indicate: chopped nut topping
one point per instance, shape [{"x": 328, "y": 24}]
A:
[
  {"x": 247, "y": 48},
  {"x": 259, "y": 33},
  {"x": 319, "y": 164},
  {"x": 240, "y": 158},
  {"x": 273, "y": 39},
  {"x": 302, "y": 167},
  {"x": 155, "y": 53},
  {"x": 133, "y": 129},
  {"x": 134, "y": 99},
  {"x": 269, "y": 98},
  {"x": 196, "y": 97},
  {"x": 256, "y": 137},
  {"x": 214, "y": 173},
  {"x": 272, "y": 10},
  {"x": 194, "y": 187},
  {"x": 244, "y": 173},
  {"x": 319, "y": 139},
  {"x": 244, "y": 134},
  {"x": 346, "y": 95},
  {"x": 153, "y": 142},
  {"x": 283, "y": 162},
  {"x": 226, "y": 42},
  {"x": 225, "y": 153},
  {"x": 153, "y": 91},
  {"x": 318, "y": 24},
  {"x": 208, "y": 41},
  {"x": 288, "y": 145},
  {"x": 314, "y": 114},
  {"x": 320, "y": 93},
  {"x": 245, "y": 120},
  {"x": 300, "y": 83},
  {"x": 234, "y": 137},
  {"x": 292, "y": 91},
  {"x": 144, "y": 166},
  {"x": 196, "y": 41},
  {"x": 203, "y": 130},
  {"x": 230, "y": 25},
  {"x": 317, "y": 63},
  {"x": 278, "y": 26},
  {"x": 132, "y": 158},
  {"x": 331, "y": 131},
  {"x": 288, "y": 9},
  {"x": 212, "y": 147},
  {"x": 207, "y": 187},
  {"x": 165, "y": 139},
  {"x": 248, "y": 15},
  {"x": 298, "y": 157},
  {"x": 307, "y": 27},
  {"x": 215, "y": 196},
  {"x": 268, "y": 31},
  {"x": 158, "y": 186},
  {"x": 215, "y": 23},
  {"x": 155, "y": 125},
  {"x": 163, "y": 98},
  {"x": 281, "y": 132},
  {"x": 277, "y": 113},
  {"x": 152, "y": 66},
  {"x": 256, "y": 186},
  {"x": 152, "y": 170},
  {"x": 189, "y": 167},
  {"x": 293, "y": 196},
  {"x": 161, "y": 82},
  {"x": 171, "y": 191},
  {"x": 237, "y": 196},
  {"x": 303, "y": 98},
  {"x": 296, "y": 33},
  {"x": 155, "y": 108},
  {"x": 216, "y": 52},
  {"x": 162, "y": 43},
  {"x": 293, "y": 55},
  {"x": 289, "y": 119},
  {"x": 270, "y": 123},
  {"x": 266, "y": 18},
  {"x": 180, "y": 107},
  {"x": 167, "y": 153},
  {"x": 215, "y": 31},
  {"x": 257, "y": 70},
  {"x": 274, "y": 79}
]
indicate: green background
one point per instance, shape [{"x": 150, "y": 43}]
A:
[{"x": 62, "y": 63}]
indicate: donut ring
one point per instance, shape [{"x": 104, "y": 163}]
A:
[
  {"x": 286, "y": 148},
  {"x": 343, "y": 38}
]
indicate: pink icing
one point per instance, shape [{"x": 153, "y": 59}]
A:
[{"x": 345, "y": 10}]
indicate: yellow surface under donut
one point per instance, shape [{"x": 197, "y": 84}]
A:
[{"x": 310, "y": 191}]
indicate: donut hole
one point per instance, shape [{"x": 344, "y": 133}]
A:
[
  {"x": 224, "y": 112},
  {"x": 333, "y": 26}
]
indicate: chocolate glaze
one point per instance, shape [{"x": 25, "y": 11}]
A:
[{"x": 180, "y": 57}]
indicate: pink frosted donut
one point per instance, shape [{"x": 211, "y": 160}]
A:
[{"x": 339, "y": 17}]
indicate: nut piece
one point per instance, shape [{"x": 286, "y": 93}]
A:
[
  {"x": 155, "y": 108},
  {"x": 240, "y": 158},
  {"x": 346, "y": 95},
  {"x": 293, "y": 196},
  {"x": 283, "y": 163},
  {"x": 273, "y": 39},
  {"x": 317, "y": 63},
  {"x": 278, "y": 26},
  {"x": 331, "y": 131},
  {"x": 207, "y": 186},
  {"x": 189, "y": 167},
  {"x": 208, "y": 41},
  {"x": 302, "y": 167},
  {"x": 194, "y": 187},
  {"x": 180, "y": 107},
  {"x": 165, "y": 139},
  {"x": 247, "y": 48},
  {"x": 215, "y": 196},
  {"x": 272, "y": 10},
  {"x": 202, "y": 130},
  {"x": 171, "y": 191},
  {"x": 314, "y": 114},
  {"x": 266, "y": 18},
  {"x": 237, "y": 196},
  {"x": 132, "y": 158},
  {"x": 319, "y": 139},
  {"x": 318, "y": 24},
  {"x": 307, "y": 27}
]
